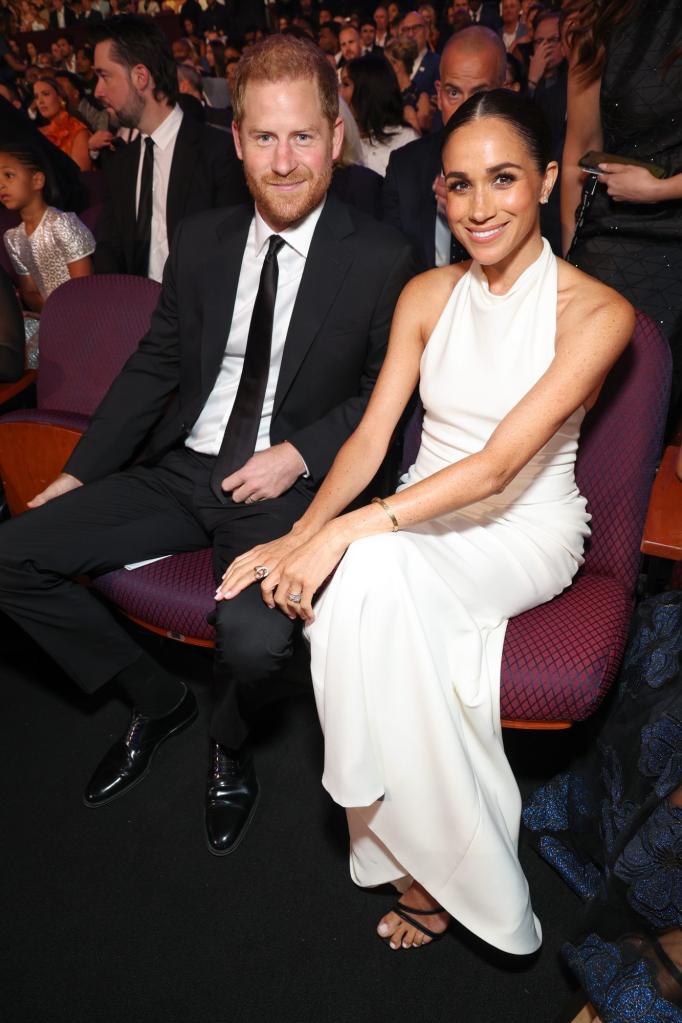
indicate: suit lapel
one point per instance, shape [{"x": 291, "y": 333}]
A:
[
  {"x": 325, "y": 269},
  {"x": 427, "y": 219},
  {"x": 185, "y": 156},
  {"x": 221, "y": 277}
]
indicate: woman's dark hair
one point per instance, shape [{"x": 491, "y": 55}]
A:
[
  {"x": 218, "y": 50},
  {"x": 73, "y": 79},
  {"x": 589, "y": 23},
  {"x": 34, "y": 160},
  {"x": 137, "y": 40},
  {"x": 377, "y": 103},
  {"x": 527, "y": 120}
]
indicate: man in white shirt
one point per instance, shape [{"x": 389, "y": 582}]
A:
[
  {"x": 176, "y": 167},
  {"x": 261, "y": 357},
  {"x": 425, "y": 69}
]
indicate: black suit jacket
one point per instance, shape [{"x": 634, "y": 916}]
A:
[
  {"x": 408, "y": 200},
  {"x": 205, "y": 174},
  {"x": 69, "y": 18},
  {"x": 355, "y": 270}
]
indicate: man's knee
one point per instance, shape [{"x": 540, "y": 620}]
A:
[{"x": 252, "y": 644}]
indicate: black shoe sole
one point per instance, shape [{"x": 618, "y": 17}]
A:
[
  {"x": 124, "y": 792},
  {"x": 240, "y": 836}
]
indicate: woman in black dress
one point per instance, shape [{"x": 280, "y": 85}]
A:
[{"x": 625, "y": 98}]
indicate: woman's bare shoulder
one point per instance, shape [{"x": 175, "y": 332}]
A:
[
  {"x": 583, "y": 300},
  {"x": 426, "y": 295}
]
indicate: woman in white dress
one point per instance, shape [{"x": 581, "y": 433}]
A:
[{"x": 406, "y": 640}]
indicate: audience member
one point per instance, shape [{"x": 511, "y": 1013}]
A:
[
  {"x": 401, "y": 54},
  {"x": 192, "y": 100},
  {"x": 428, "y": 13},
  {"x": 485, "y": 13},
  {"x": 65, "y": 131},
  {"x": 473, "y": 60},
  {"x": 61, "y": 16},
  {"x": 89, "y": 15},
  {"x": 370, "y": 89},
  {"x": 512, "y": 28},
  {"x": 94, "y": 117},
  {"x": 626, "y": 69},
  {"x": 11, "y": 327},
  {"x": 265, "y": 397},
  {"x": 84, "y": 69},
  {"x": 183, "y": 166},
  {"x": 368, "y": 34},
  {"x": 425, "y": 71},
  {"x": 66, "y": 54},
  {"x": 48, "y": 247},
  {"x": 350, "y": 43},
  {"x": 381, "y": 23},
  {"x": 328, "y": 40}
]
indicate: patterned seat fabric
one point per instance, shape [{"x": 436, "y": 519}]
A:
[{"x": 560, "y": 658}]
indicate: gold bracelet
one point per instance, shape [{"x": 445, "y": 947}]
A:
[{"x": 380, "y": 500}]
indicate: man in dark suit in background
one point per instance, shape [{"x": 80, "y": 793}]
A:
[
  {"x": 175, "y": 167},
  {"x": 61, "y": 16},
  {"x": 414, "y": 193},
  {"x": 260, "y": 360},
  {"x": 425, "y": 71}
]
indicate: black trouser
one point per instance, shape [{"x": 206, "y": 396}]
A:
[{"x": 145, "y": 511}]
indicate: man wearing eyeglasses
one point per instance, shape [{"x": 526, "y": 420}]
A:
[
  {"x": 425, "y": 69},
  {"x": 474, "y": 60}
]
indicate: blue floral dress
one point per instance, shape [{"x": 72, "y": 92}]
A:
[{"x": 612, "y": 827}]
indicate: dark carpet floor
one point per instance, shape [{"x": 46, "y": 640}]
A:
[{"x": 121, "y": 914}]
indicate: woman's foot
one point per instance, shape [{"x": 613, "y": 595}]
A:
[{"x": 401, "y": 934}]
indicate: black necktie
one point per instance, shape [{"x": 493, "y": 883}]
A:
[
  {"x": 241, "y": 433},
  {"x": 143, "y": 223}
]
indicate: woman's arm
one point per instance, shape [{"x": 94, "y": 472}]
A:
[
  {"x": 80, "y": 267},
  {"x": 583, "y": 132},
  {"x": 80, "y": 151},
  {"x": 582, "y": 360}
]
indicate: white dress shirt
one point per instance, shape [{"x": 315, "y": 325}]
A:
[
  {"x": 418, "y": 62},
  {"x": 207, "y": 433},
  {"x": 164, "y": 137}
]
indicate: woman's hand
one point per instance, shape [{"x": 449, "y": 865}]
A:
[
  {"x": 242, "y": 572},
  {"x": 626, "y": 183},
  {"x": 302, "y": 572}
]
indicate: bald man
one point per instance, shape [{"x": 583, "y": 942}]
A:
[{"x": 474, "y": 60}]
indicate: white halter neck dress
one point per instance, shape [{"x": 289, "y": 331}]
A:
[{"x": 407, "y": 643}]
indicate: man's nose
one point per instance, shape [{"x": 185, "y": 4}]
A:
[{"x": 283, "y": 160}]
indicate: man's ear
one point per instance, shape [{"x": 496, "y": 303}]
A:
[
  {"x": 237, "y": 140},
  {"x": 141, "y": 78}
]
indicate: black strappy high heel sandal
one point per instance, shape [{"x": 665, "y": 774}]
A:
[{"x": 407, "y": 913}]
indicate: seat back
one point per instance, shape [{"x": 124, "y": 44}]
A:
[
  {"x": 620, "y": 442},
  {"x": 88, "y": 329}
]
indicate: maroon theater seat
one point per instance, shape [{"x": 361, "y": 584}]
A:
[
  {"x": 559, "y": 659},
  {"x": 88, "y": 328}
]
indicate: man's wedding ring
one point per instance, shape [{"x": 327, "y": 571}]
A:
[
  {"x": 261, "y": 571},
  {"x": 295, "y": 598}
]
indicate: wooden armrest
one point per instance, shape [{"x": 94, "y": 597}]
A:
[
  {"x": 31, "y": 456},
  {"x": 663, "y": 527}
]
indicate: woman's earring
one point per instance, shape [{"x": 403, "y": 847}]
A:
[{"x": 544, "y": 199}]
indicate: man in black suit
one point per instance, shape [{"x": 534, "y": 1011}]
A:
[
  {"x": 89, "y": 15},
  {"x": 61, "y": 16},
  {"x": 485, "y": 13},
  {"x": 261, "y": 356},
  {"x": 425, "y": 71},
  {"x": 175, "y": 167},
  {"x": 414, "y": 194}
]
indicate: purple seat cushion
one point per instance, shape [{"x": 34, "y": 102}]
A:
[
  {"x": 174, "y": 595},
  {"x": 559, "y": 659}
]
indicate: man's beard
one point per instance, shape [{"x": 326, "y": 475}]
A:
[
  {"x": 282, "y": 210},
  {"x": 129, "y": 115}
]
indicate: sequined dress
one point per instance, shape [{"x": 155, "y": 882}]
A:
[
  {"x": 59, "y": 239},
  {"x": 612, "y": 828},
  {"x": 636, "y": 248},
  {"x": 407, "y": 643}
]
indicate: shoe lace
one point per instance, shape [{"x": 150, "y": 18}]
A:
[
  {"x": 136, "y": 723},
  {"x": 223, "y": 764}
]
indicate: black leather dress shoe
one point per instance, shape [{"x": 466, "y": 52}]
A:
[
  {"x": 130, "y": 758},
  {"x": 231, "y": 798}
]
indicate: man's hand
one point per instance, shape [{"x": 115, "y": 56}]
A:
[
  {"x": 267, "y": 474},
  {"x": 100, "y": 140},
  {"x": 62, "y": 485},
  {"x": 630, "y": 184},
  {"x": 441, "y": 193},
  {"x": 538, "y": 62}
]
